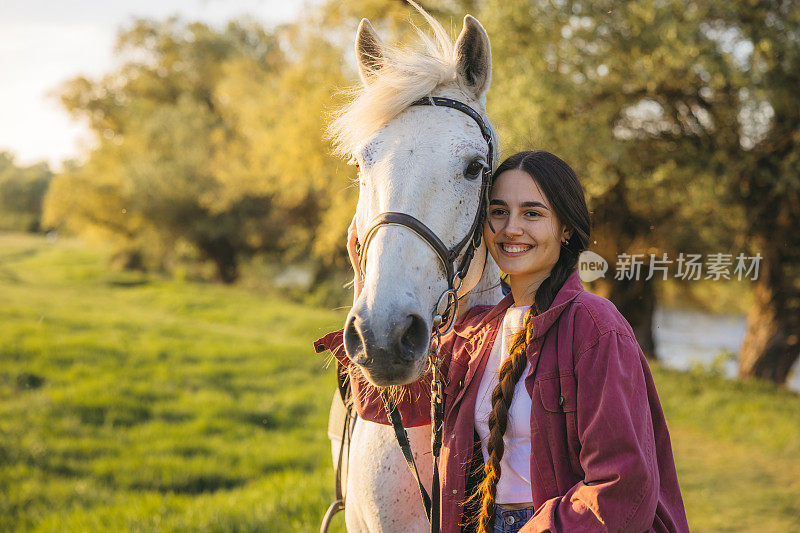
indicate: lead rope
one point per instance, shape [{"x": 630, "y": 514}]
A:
[
  {"x": 405, "y": 446},
  {"x": 431, "y": 502},
  {"x": 343, "y": 384},
  {"x": 437, "y": 421}
]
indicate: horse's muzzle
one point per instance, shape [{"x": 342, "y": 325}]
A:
[{"x": 389, "y": 354}]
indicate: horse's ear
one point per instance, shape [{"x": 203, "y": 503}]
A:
[
  {"x": 369, "y": 50},
  {"x": 473, "y": 57}
]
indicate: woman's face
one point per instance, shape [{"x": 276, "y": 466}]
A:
[{"x": 526, "y": 240}]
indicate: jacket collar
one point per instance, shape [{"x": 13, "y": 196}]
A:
[
  {"x": 541, "y": 323},
  {"x": 569, "y": 291}
]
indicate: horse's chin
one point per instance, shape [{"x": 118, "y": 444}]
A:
[{"x": 393, "y": 374}]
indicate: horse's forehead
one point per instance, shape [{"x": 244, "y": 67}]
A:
[{"x": 426, "y": 135}]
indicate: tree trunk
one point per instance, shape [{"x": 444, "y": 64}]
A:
[
  {"x": 772, "y": 341},
  {"x": 223, "y": 254},
  {"x": 636, "y": 300},
  {"x": 618, "y": 229}
]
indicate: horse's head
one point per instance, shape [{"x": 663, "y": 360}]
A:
[{"x": 423, "y": 161}]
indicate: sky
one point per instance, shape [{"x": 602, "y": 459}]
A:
[{"x": 44, "y": 43}]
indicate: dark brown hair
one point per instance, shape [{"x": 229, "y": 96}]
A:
[{"x": 562, "y": 189}]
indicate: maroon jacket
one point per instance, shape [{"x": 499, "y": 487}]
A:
[{"x": 601, "y": 458}]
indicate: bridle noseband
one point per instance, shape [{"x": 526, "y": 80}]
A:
[{"x": 443, "y": 321}]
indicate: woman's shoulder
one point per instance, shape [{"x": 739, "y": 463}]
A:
[
  {"x": 596, "y": 315},
  {"x": 601, "y": 332},
  {"x": 476, "y": 319}
]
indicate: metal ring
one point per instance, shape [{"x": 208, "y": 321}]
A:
[
  {"x": 459, "y": 282},
  {"x": 448, "y": 315}
]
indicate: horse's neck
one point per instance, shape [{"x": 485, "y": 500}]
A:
[{"x": 487, "y": 291}]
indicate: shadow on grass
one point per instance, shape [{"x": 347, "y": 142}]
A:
[
  {"x": 195, "y": 485},
  {"x": 127, "y": 283},
  {"x": 283, "y": 417}
]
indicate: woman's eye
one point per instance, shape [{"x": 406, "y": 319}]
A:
[
  {"x": 532, "y": 214},
  {"x": 474, "y": 169},
  {"x": 497, "y": 212}
]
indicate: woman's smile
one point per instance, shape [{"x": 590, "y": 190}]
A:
[{"x": 514, "y": 249}]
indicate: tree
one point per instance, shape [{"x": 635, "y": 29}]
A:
[
  {"x": 559, "y": 84},
  {"x": 213, "y": 141},
  {"x": 675, "y": 115},
  {"x": 595, "y": 95},
  {"x": 762, "y": 157},
  {"x": 22, "y": 190},
  {"x": 152, "y": 182},
  {"x": 280, "y": 149}
]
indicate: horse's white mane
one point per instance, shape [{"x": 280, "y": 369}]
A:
[{"x": 401, "y": 77}]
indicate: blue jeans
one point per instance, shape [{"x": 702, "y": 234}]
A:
[{"x": 511, "y": 520}]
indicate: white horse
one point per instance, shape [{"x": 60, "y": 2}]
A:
[{"x": 412, "y": 160}]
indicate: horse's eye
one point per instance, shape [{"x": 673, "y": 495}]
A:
[{"x": 474, "y": 169}]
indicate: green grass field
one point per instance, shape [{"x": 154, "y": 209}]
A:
[{"x": 131, "y": 403}]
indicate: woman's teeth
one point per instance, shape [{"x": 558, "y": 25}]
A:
[{"x": 515, "y": 248}]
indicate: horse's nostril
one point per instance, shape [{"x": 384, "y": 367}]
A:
[
  {"x": 414, "y": 338},
  {"x": 354, "y": 342}
]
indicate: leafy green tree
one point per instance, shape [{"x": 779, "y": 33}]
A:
[
  {"x": 667, "y": 118},
  {"x": 757, "y": 142},
  {"x": 280, "y": 149},
  {"x": 596, "y": 82},
  {"x": 22, "y": 190},
  {"x": 154, "y": 182},
  {"x": 211, "y": 141}
]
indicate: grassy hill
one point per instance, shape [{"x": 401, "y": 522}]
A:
[{"x": 132, "y": 403}]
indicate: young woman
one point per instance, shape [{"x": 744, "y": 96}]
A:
[{"x": 550, "y": 382}]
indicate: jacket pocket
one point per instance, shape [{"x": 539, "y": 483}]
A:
[
  {"x": 559, "y": 394},
  {"x": 559, "y": 398}
]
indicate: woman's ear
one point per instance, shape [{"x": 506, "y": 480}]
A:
[{"x": 473, "y": 58}]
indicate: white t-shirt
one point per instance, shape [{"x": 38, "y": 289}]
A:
[{"x": 514, "y": 485}]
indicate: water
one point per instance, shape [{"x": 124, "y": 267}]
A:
[{"x": 688, "y": 338}]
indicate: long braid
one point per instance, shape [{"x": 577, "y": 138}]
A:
[{"x": 509, "y": 374}]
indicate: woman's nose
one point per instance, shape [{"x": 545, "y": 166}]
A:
[{"x": 512, "y": 228}]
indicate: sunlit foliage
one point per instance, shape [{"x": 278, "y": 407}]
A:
[
  {"x": 208, "y": 146},
  {"x": 680, "y": 119}
]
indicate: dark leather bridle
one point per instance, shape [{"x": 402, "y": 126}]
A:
[{"x": 443, "y": 320}]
